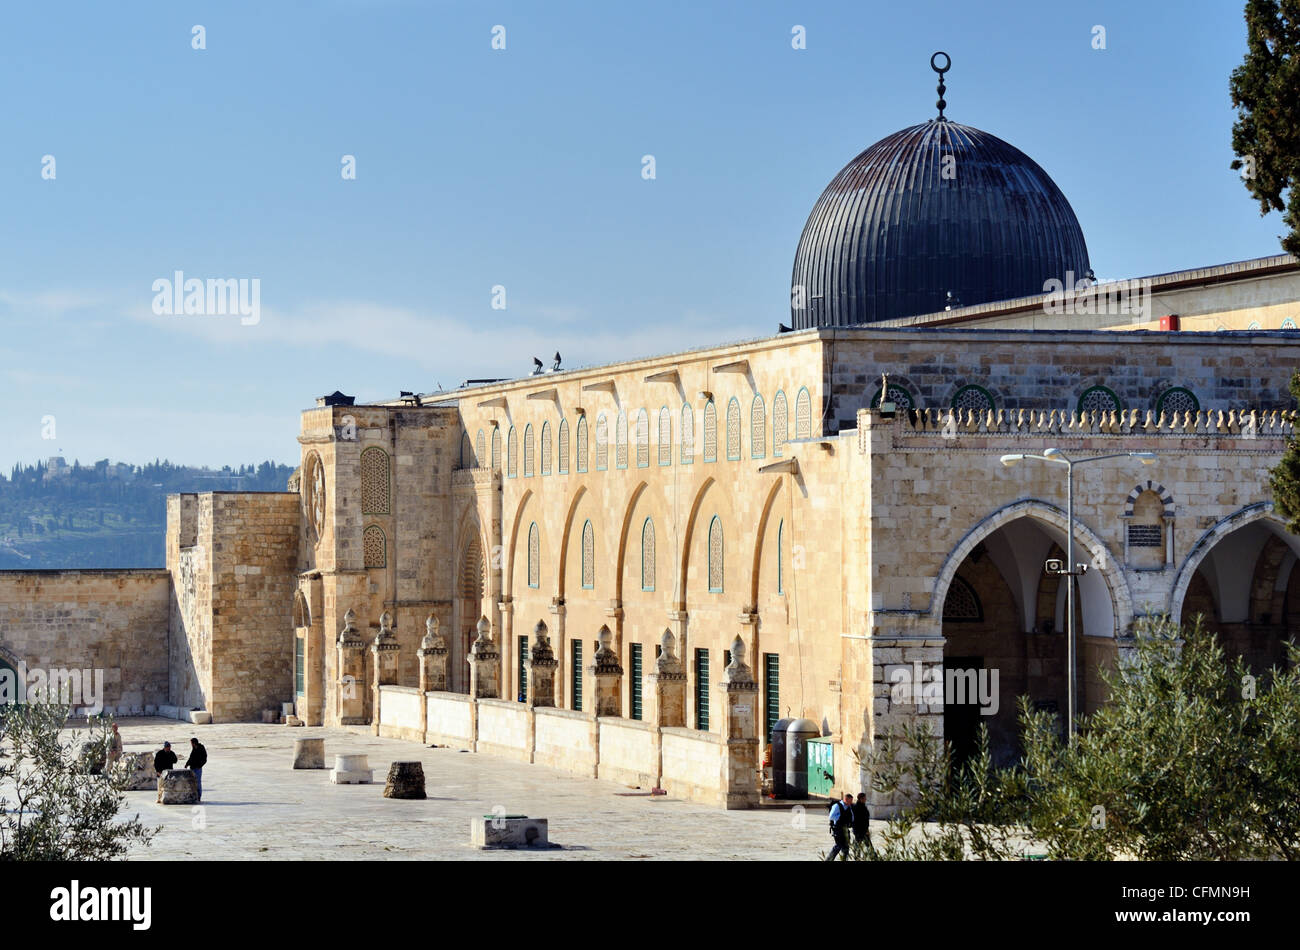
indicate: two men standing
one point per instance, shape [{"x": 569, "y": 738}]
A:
[
  {"x": 847, "y": 814},
  {"x": 165, "y": 759}
]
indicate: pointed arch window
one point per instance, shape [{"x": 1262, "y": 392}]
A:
[
  {"x": 512, "y": 454},
  {"x": 528, "y": 451},
  {"x": 642, "y": 439},
  {"x": 480, "y": 449},
  {"x": 620, "y": 440},
  {"x": 688, "y": 435},
  {"x": 466, "y": 451},
  {"x": 588, "y": 556},
  {"x": 710, "y": 432},
  {"x": 803, "y": 415},
  {"x": 665, "y": 437},
  {"x": 580, "y": 463},
  {"x": 602, "y": 443},
  {"x": 534, "y": 556},
  {"x": 757, "y": 428},
  {"x": 648, "y": 555},
  {"x": 715, "y": 555},
  {"x": 562, "y": 447},
  {"x": 546, "y": 448},
  {"x": 962, "y": 605},
  {"x": 496, "y": 449},
  {"x": 733, "y": 430},
  {"x": 780, "y": 423},
  {"x": 374, "y": 547}
]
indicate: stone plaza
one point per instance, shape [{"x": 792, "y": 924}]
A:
[{"x": 256, "y": 806}]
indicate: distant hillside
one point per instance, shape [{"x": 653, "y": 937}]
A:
[{"x": 55, "y": 515}]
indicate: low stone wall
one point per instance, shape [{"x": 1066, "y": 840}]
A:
[
  {"x": 692, "y": 763},
  {"x": 628, "y": 752},
  {"x": 399, "y": 713},
  {"x": 451, "y": 719},
  {"x": 111, "y": 623},
  {"x": 503, "y": 729},
  {"x": 563, "y": 740}
]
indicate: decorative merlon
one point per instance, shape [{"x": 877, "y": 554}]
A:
[{"x": 1215, "y": 422}]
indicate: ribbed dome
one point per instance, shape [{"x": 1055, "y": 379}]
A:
[{"x": 891, "y": 236}]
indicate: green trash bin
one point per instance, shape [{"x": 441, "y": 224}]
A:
[{"x": 821, "y": 767}]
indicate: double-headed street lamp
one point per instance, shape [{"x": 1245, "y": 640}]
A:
[{"x": 1070, "y": 569}]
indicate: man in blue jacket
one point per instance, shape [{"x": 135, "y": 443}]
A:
[{"x": 841, "y": 822}]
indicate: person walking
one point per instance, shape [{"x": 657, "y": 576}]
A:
[
  {"x": 198, "y": 758},
  {"x": 164, "y": 759},
  {"x": 841, "y": 821},
  {"x": 114, "y": 749},
  {"x": 862, "y": 821}
]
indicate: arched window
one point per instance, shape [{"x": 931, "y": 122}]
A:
[
  {"x": 972, "y": 397},
  {"x": 780, "y": 557},
  {"x": 648, "y": 555},
  {"x": 710, "y": 432},
  {"x": 1288, "y": 324},
  {"x": 642, "y": 440},
  {"x": 546, "y": 448},
  {"x": 1146, "y": 512},
  {"x": 715, "y": 555},
  {"x": 733, "y": 430},
  {"x": 512, "y": 454},
  {"x": 620, "y": 440},
  {"x": 480, "y": 450},
  {"x": 496, "y": 449},
  {"x": 688, "y": 435},
  {"x": 588, "y": 556},
  {"x": 780, "y": 423},
  {"x": 803, "y": 415},
  {"x": 581, "y": 462},
  {"x": 898, "y": 395},
  {"x": 1254, "y": 325},
  {"x": 1099, "y": 399},
  {"x": 373, "y": 547},
  {"x": 528, "y": 451},
  {"x": 374, "y": 482},
  {"x": 466, "y": 451},
  {"x": 962, "y": 605},
  {"x": 563, "y": 446},
  {"x": 757, "y": 428},
  {"x": 665, "y": 437},
  {"x": 534, "y": 556},
  {"x": 1177, "y": 400},
  {"x": 602, "y": 443}
]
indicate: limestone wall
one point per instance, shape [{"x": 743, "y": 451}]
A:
[
  {"x": 110, "y": 620},
  {"x": 451, "y": 719},
  {"x": 692, "y": 764},
  {"x": 503, "y": 729},
  {"x": 563, "y": 740},
  {"x": 399, "y": 713},
  {"x": 628, "y": 753}
]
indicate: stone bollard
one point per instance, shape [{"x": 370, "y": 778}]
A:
[
  {"x": 351, "y": 770},
  {"x": 138, "y": 767},
  {"x": 508, "y": 831},
  {"x": 309, "y": 753},
  {"x": 178, "y": 787},
  {"x": 405, "y": 780}
]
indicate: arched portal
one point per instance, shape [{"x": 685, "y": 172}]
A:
[
  {"x": 1243, "y": 578},
  {"x": 1004, "y": 628},
  {"x": 470, "y": 585}
]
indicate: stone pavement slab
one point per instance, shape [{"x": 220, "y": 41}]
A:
[{"x": 256, "y": 805}]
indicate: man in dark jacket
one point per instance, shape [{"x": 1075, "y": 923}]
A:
[
  {"x": 164, "y": 759},
  {"x": 841, "y": 821},
  {"x": 198, "y": 758},
  {"x": 861, "y": 821}
]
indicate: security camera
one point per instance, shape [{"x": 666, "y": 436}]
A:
[{"x": 1054, "y": 566}]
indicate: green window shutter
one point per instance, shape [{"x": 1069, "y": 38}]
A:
[
  {"x": 523, "y": 669},
  {"x": 771, "y": 690},
  {"x": 636, "y": 681},
  {"x": 299, "y": 644},
  {"x": 576, "y": 700},
  {"x": 702, "y": 690}
]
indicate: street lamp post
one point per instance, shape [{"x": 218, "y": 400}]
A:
[{"x": 1071, "y": 570}]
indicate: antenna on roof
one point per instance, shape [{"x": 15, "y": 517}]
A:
[{"x": 947, "y": 65}]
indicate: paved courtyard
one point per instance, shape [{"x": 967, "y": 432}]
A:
[{"x": 255, "y": 805}]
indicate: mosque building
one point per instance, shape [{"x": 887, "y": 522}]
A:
[{"x": 634, "y": 571}]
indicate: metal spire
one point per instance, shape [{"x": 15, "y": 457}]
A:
[{"x": 947, "y": 64}]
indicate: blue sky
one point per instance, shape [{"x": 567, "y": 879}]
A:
[{"x": 519, "y": 167}]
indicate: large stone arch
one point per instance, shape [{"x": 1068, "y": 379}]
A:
[
  {"x": 756, "y": 564},
  {"x": 624, "y": 527},
  {"x": 1242, "y": 517},
  {"x": 508, "y": 574},
  {"x": 566, "y": 532},
  {"x": 684, "y": 555},
  {"x": 1107, "y": 584}
]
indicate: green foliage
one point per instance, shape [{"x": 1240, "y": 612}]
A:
[
  {"x": 1192, "y": 758},
  {"x": 1265, "y": 89},
  {"x": 52, "y": 808},
  {"x": 1284, "y": 478}
]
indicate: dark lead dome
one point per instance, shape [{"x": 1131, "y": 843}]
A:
[{"x": 902, "y": 225}]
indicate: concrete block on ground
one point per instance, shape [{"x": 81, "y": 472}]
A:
[
  {"x": 178, "y": 787},
  {"x": 309, "y": 753},
  {"x": 138, "y": 766},
  {"x": 200, "y": 717},
  {"x": 351, "y": 770},
  {"x": 508, "y": 831},
  {"x": 405, "y": 780}
]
